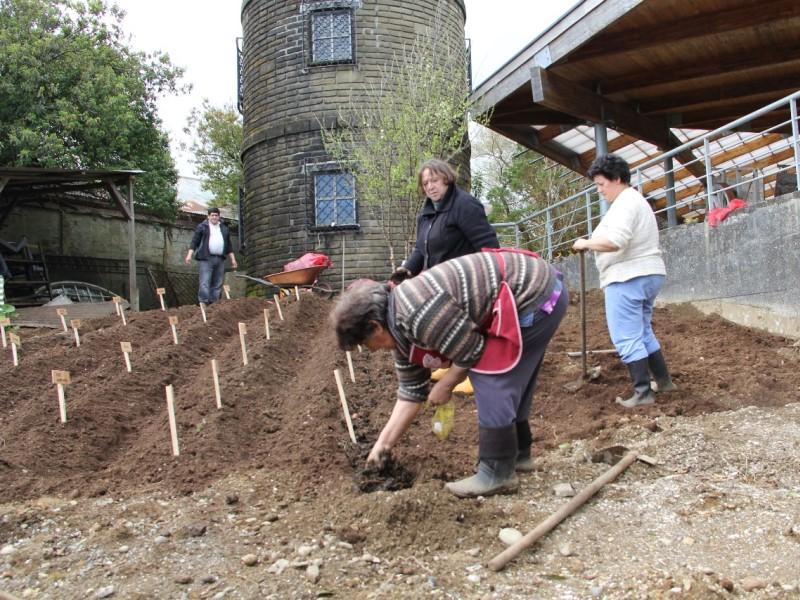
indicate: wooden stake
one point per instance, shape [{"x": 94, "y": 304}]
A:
[
  {"x": 350, "y": 366},
  {"x": 14, "y": 339},
  {"x": 173, "y": 428},
  {"x": 75, "y": 323},
  {"x": 515, "y": 549},
  {"x": 62, "y": 312},
  {"x": 266, "y": 322},
  {"x": 346, "y": 411},
  {"x": 297, "y": 293},
  {"x": 203, "y": 311},
  {"x": 215, "y": 374},
  {"x": 173, "y": 321},
  {"x": 122, "y": 314},
  {"x": 227, "y": 290},
  {"x": 278, "y": 304},
  {"x": 242, "y": 333},
  {"x": 61, "y": 378},
  {"x": 359, "y": 348},
  {"x": 116, "y": 300},
  {"x": 126, "y": 351},
  {"x": 161, "y": 292},
  {"x": 4, "y": 322}
]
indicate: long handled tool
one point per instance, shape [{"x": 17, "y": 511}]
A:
[
  {"x": 584, "y": 367},
  {"x": 510, "y": 553}
]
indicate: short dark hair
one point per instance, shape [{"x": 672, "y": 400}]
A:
[
  {"x": 362, "y": 303},
  {"x": 610, "y": 166},
  {"x": 213, "y": 209}
]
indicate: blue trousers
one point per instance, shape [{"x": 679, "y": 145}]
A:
[
  {"x": 506, "y": 398},
  {"x": 212, "y": 274},
  {"x": 629, "y": 314}
]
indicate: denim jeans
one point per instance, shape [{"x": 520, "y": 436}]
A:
[
  {"x": 629, "y": 314},
  {"x": 212, "y": 274}
]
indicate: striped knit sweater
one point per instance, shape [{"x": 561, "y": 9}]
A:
[{"x": 445, "y": 308}]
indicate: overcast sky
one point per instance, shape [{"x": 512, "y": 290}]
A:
[{"x": 200, "y": 36}]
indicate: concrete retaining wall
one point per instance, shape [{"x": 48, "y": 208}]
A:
[{"x": 747, "y": 269}]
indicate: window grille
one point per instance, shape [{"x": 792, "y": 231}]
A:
[
  {"x": 331, "y": 36},
  {"x": 335, "y": 200}
]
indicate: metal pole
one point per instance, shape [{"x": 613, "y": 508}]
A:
[
  {"x": 795, "y": 140},
  {"x": 517, "y": 236},
  {"x": 709, "y": 178},
  {"x": 601, "y": 148},
  {"x": 669, "y": 173},
  {"x": 584, "y": 366},
  {"x": 132, "y": 283},
  {"x": 589, "y": 224},
  {"x": 549, "y": 233}
]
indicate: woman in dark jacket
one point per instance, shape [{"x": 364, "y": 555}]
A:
[{"x": 452, "y": 222}]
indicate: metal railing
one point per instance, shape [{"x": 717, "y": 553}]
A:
[{"x": 552, "y": 230}]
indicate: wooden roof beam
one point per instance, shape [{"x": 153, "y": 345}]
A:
[
  {"x": 526, "y": 136},
  {"x": 688, "y": 28},
  {"x": 557, "y": 93},
  {"x": 121, "y": 203},
  {"x": 545, "y": 134},
  {"x": 613, "y": 145},
  {"x": 735, "y": 60}
]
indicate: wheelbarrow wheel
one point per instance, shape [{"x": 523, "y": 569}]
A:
[{"x": 322, "y": 289}]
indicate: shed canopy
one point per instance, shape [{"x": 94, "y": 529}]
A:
[{"x": 657, "y": 73}]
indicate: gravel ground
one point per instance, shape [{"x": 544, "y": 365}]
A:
[{"x": 718, "y": 516}]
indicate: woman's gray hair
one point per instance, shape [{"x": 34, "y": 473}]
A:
[{"x": 361, "y": 303}]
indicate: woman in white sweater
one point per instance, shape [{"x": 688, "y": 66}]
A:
[{"x": 631, "y": 275}]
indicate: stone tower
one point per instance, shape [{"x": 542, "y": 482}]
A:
[{"x": 300, "y": 61}]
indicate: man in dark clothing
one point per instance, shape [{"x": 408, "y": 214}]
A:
[{"x": 210, "y": 245}]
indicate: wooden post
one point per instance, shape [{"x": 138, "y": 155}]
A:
[
  {"x": 173, "y": 321},
  {"x": 242, "y": 333},
  {"x": 61, "y": 378},
  {"x": 266, "y": 322},
  {"x": 14, "y": 339},
  {"x": 173, "y": 428},
  {"x": 346, "y": 411},
  {"x": 126, "y": 351},
  {"x": 350, "y": 366},
  {"x": 215, "y": 375},
  {"x": 161, "y": 292},
  {"x": 227, "y": 289},
  {"x": 203, "y": 311},
  {"x": 132, "y": 283},
  {"x": 75, "y": 324},
  {"x": 4, "y": 322},
  {"x": 62, "y": 312},
  {"x": 510, "y": 553},
  {"x": 297, "y": 293},
  {"x": 278, "y": 304}
]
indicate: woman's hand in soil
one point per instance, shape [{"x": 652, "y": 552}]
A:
[{"x": 378, "y": 454}]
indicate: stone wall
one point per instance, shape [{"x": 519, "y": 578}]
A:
[
  {"x": 745, "y": 269},
  {"x": 89, "y": 242},
  {"x": 286, "y": 98}
]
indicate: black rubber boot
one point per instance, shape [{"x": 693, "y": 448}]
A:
[
  {"x": 524, "y": 442},
  {"x": 658, "y": 367},
  {"x": 497, "y": 455},
  {"x": 642, "y": 394}
]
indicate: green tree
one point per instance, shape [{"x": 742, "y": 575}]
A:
[
  {"x": 416, "y": 110},
  {"x": 73, "y": 95},
  {"x": 518, "y": 183},
  {"x": 217, "y": 150}
]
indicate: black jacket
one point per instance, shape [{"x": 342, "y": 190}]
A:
[
  {"x": 200, "y": 238},
  {"x": 458, "y": 227}
]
